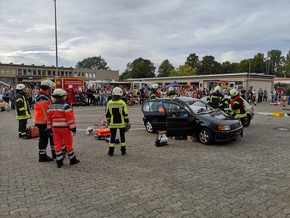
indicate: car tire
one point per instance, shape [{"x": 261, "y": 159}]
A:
[
  {"x": 247, "y": 121},
  {"x": 149, "y": 127},
  {"x": 205, "y": 136}
]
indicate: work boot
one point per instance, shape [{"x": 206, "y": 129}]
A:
[
  {"x": 44, "y": 158},
  {"x": 74, "y": 160},
  {"x": 25, "y": 137},
  {"x": 111, "y": 151},
  {"x": 59, "y": 163},
  {"x": 53, "y": 154},
  {"x": 123, "y": 150}
]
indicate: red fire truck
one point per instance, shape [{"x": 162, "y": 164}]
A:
[{"x": 74, "y": 87}]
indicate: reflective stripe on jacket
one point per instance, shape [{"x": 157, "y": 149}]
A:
[
  {"x": 22, "y": 110},
  {"x": 117, "y": 113},
  {"x": 60, "y": 115},
  {"x": 42, "y": 101}
]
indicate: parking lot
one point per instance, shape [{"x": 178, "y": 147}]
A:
[{"x": 249, "y": 177}]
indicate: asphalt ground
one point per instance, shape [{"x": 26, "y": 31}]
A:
[{"x": 249, "y": 177}]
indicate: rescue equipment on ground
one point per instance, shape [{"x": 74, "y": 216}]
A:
[
  {"x": 161, "y": 139},
  {"x": 33, "y": 131}
]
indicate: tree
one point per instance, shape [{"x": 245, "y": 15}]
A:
[
  {"x": 140, "y": 68},
  {"x": 275, "y": 57},
  {"x": 183, "y": 70},
  {"x": 208, "y": 65},
  {"x": 165, "y": 68},
  {"x": 228, "y": 67},
  {"x": 192, "y": 60},
  {"x": 244, "y": 66},
  {"x": 96, "y": 62},
  {"x": 286, "y": 65},
  {"x": 257, "y": 64}
]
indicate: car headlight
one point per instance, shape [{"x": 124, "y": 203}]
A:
[{"x": 224, "y": 128}]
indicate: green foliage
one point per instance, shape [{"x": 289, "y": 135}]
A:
[
  {"x": 140, "y": 68},
  {"x": 208, "y": 65},
  {"x": 96, "y": 62},
  {"x": 165, "y": 68},
  {"x": 183, "y": 70}
]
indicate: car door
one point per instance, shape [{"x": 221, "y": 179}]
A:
[{"x": 179, "y": 120}]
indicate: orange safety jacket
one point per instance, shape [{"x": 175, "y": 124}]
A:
[
  {"x": 42, "y": 101},
  {"x": 60, "y": 115}
]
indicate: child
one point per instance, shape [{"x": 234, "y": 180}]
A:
[{"x": 61, "y": 121}]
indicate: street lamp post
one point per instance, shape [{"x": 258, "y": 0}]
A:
[{"x": 55, "y": 32}]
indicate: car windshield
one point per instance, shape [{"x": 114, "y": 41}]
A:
[{"x": 200, "y": 107}]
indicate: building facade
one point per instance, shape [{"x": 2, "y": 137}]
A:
[
  {"x": 253, "y": 81},
  {"x": 13, "y": 74}
]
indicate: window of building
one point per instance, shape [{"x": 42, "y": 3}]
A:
[
  {"x": 94, "y": 75},
  {"x": 86, "y": 75},
  {"x": 19, "y": 72},
  {"x": 34, "y": 72},
  {"x": 48, "y": 73},
  {"x": 29, "y": 72},
  {"x": 24, "y": 72}
]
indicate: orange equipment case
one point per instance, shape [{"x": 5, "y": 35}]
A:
[
  {"x": 33, "y": 131},
  {"x": 102, "y": 133}
]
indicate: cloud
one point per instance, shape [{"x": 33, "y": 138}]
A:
[{"x": 121, "y": 31}]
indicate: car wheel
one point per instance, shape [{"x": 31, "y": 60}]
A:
[
  {"x": 149, "y": 127},
  {"x": 246, "y": 121},
  {"x": 205, "y": 136}
]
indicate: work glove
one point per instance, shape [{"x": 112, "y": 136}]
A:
[
  {"x": 74, "y": 131},
  {"x": 127, "y": 127},
  {"x": 49, "y": 132}
]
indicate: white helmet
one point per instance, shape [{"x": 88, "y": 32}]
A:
[
  {"x": 217, "y": 89},
  {"x": 48, "y": 83},
  {"x": 155, "y": 86},
  {"x": 58, "y": 93},
  {"x": 171, "y": 89},
  {"x": 234, "y": 92},
  {"x": 117, "y": 91},
  {"x": 20, "y": 87}
]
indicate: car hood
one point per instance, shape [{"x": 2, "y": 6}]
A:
[{"x": 219, "y": 117}]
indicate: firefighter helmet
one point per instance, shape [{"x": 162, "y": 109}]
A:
[
  {"x": 171, "y": 89},
  {"x": 58, "y": 93},
  {"x": 234, "y": 92},
  {"x": 117, "y": 91},
  {"x": 20, "y": 87},
  {"x": 47, "y": 82},
  {"x": 217, "y": 89}
]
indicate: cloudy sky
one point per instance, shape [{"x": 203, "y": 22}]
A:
[{"x": 124, "y": 30}]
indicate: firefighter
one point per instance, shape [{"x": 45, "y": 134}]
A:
[
  {"x": 172, "y": 93},
  {"x": 154, "y": 91},
  {"x": 22, "y": 111},
  {"x": 42, "y": 101},
  {"x": 117, "y": 116},
  {"x": 216, "y": 99},
  {"x": 238, "y": 107},
  {"x": 61, "y": 122}
]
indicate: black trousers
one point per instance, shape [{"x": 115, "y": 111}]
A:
[
  {"x": 114, "y": 133},
  {"x": 22, "y": 129},
  {"x": 43, "y": 139}
]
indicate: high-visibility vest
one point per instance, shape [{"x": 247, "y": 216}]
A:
[
  {"x": 22, "y": 110},
  {"x": 117, "y": 113},
  {"x": 42, "y": 101}
]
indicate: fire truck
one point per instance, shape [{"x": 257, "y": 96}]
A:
[{"x": 74, "y": 87}]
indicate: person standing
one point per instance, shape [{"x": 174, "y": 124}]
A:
[
  {"x": 154, "y": 91},
  {"x": 61, "y": 121},
  {"x": 42, "y": 101},
  {"x": 22, "y": 110},
  {"x": 237, "y": 106},
  {"x": 217, "y": 100},
  {"x": 11, "y": 96},
  {"x": 117, "y": 116},
  {"x": 171, "y": 93}
]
